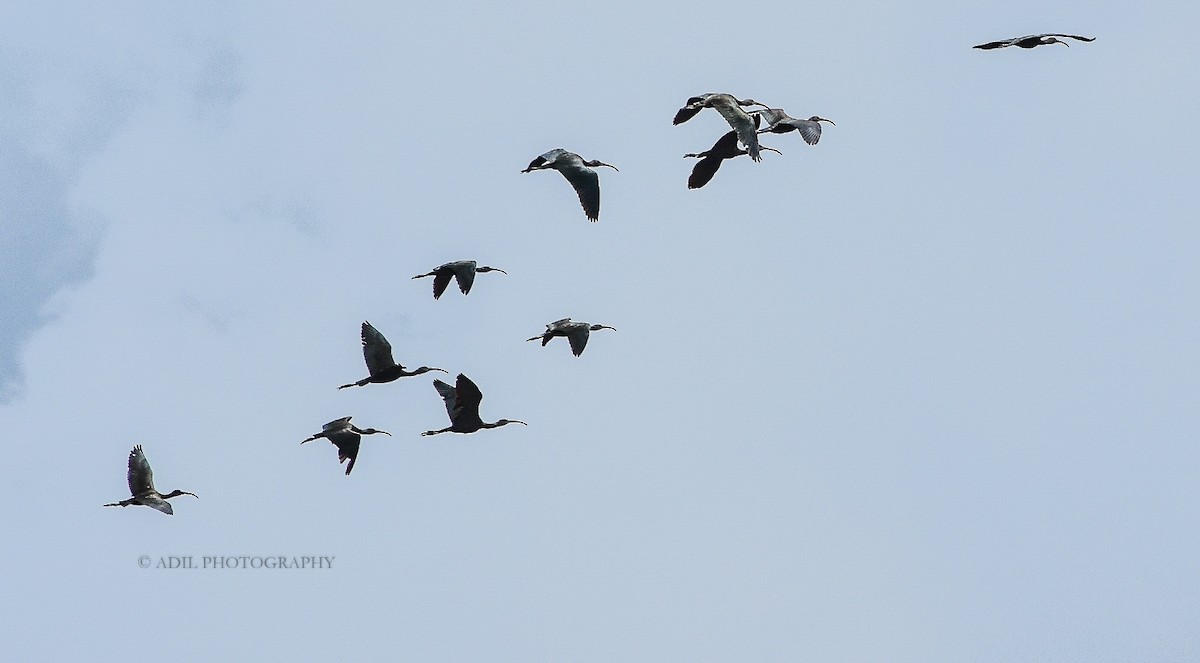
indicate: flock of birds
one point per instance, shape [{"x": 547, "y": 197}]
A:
[{"x": 463, "y": 398}]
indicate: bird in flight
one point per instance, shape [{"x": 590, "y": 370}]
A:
[
  {"x": 462, "y": 404},
  {"x": 1030, "y": 41},
  {"x": 579, "y": 173},
  {"x": 378, "y": 354},
  {"x": 726, "y": 147},
  {"x": 346, "y": 437},
  {"x": 576, "y": 333},
  {"x": 461, "y": 270},
  {"x": 141, "y": 485}
]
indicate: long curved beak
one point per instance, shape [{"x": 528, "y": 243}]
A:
[
  {"x": 192, "y": 494},
  {"x": 611, "y": 166},
  {"x": 770, "y": 148},
  {"x": 439, "y": 369},
  {"x": 497, "y": 269},
  {"x": 514, "y": 421},
  {"x": 384, "y": 432},
  {"x": 830, "y": 121}
]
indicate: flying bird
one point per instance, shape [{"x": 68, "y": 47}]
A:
[
  {"x": 730, "y": 108},
  {"x": 726, "y": 147},
  {"x": 576, "y": 332},
  {"x": 141, "y": 485},
  {"x": 779, "y": 122},
  {"x": 462, "y": 270},
  {"x": 1032, "y": 40},
  {"x": 378, "y": 354},
  {"x": 579, "y": 173},
  {"x": 346, "y": 437},
  {"x": 462, "y": 404}
]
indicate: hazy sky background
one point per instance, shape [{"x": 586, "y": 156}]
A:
[{"x": 926, "y": 391}]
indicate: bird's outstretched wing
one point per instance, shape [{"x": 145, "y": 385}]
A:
[
  {"x": 587, "y": 186},
  {"x": 465, "y": 273},
  {"x": 449, "y": 395},
  {"x": 996, "y": 44},
  {"x": 141, "y": 477},
  {"x": 155, "y": 502},
  {"x": 703, "y": 171},
  {"x": 686, "y": 113},
  {"x": 347, "y": 444},
  {"x": 440, "y": 280},
  {"x": 578, "y": 338},
  {"x": 546, "y": 158},
  {"x": 376, "y": 349},
  {"x": 336, "y": 424}
]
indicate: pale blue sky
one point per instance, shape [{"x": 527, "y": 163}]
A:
[{"x": 926, "y": 391}]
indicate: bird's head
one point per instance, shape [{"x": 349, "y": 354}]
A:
[
  {"x": 485, "y": 268},
  {"x": 599, "y": 327},
  {"x": 751, "y": 102},
  {"x": 596, "y": 164},
  {"x": 822, "y": 119},
  {"x": 505, "y": 422},
  {"x": 372, "y": 431},
  {"x": 426, "y": 369},
  {"x": 1055, "y": 40},
  {"x": 177, "y": 493}
]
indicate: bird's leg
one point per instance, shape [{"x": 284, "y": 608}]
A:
[
  {"x": 357, "y": 384},
  {"x": 123, "y": 502},
  {"x": 435, "y": 432}
]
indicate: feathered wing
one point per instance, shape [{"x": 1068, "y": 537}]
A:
[
  {"x": 347, "y": 446},
  {"x": 703, "y": 171},
  {"x": 440, "y": 280},
  {"x": 578, "y": 338},
  {"x": 466, "y": 402},
  {"x": 809, "y": 130},
  {"x": 466, "y": 276},
  {"x": 686, "y": 113},
  {"x": 993, "y": 44},
  {"x": 744, "y": 126},
  {"x": 449, "y": 396},
  {"x": 158, "y": 503},
  {"x": 376, "y": 349},
  {"x": 140, "y": 476},
  {"x": 587, "y": 185}
]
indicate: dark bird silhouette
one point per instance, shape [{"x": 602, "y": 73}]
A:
[
  {"x": 462, "y": 404},
  {"x": 1032, "y": 40},
  {"x": 462, "y": 270},
  {"x": 346, "y": 437},
  {"x": 378, "y": 353},
  {"x": 576, "y": 333},
  {"x": 726, "y": 147},
  {"x": 779, "y": 122},
  {"x": 579, "y": 173},
  {"x": 730, "y": 108},
  {"x": 141, "y": 485}
]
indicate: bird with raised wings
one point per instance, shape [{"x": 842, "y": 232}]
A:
[
  {"x": 378, "y": 354},
  {"x": 141, "y": 485},
  {"x": 726, "y": 147},
  {"x": 579, "y": 173},
  {"x": 1030, "y": 41},
  {"x": 576, "y": 333},
  {"x": 461, "y": 270},
  {"x": 730, "y": 108},
  {"x": 346, "y": 437},
  {"x": 462, "y": 404},
  {"x": 779, "y": 122}
]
